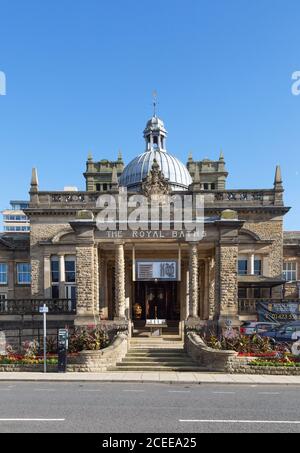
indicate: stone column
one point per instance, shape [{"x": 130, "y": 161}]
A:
[
  {"x": 103, "y": 283},
  {"x": 85, "y": 276},
  {"x": 227, "y": 283},
  {"x": 47, "y": 277},
  {"x": 96, "y": 281},
  {"x": 211, "y": 288},
  {"x": 193, "y": 280},
  {"x": 120, "y": 280},
  {"x": 206, "y": 290}
]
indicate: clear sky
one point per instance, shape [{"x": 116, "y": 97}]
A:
[{"x": 80, "y": 75}]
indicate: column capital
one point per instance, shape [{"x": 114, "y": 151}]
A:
[{"x": 118, "y": 243}]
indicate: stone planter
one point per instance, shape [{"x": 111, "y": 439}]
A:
[
  {"x": 99, "y": 361},
  {"x": 209, "y": 358}
]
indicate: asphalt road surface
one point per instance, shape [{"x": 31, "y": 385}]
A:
[{"x": 147, "y": 408}]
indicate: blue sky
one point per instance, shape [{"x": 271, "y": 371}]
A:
[{"x": 80, "y": 76}]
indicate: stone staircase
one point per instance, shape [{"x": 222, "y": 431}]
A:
[{"x": 156, "y": 354}]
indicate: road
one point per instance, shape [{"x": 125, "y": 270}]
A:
[{"x": 147, "y": 408}]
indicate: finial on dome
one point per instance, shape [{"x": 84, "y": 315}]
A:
[
  {"x": 154, "y": 103},
  {"x": 120, "y": 156},
  {"x": 90, "y": 157}
]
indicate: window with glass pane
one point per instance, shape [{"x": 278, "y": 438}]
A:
[
  {"x": 54, "y": 270},
  {"x": 290, "y": 271},
  {"x": 243, "y": 267},
  {"x": 257, "y": 266},
  {"x": 24, "y": 273},
  {"x": 55, "y": 292},
  {"x": 70, "y": 270},
  {"x": 3, "y": 273}
]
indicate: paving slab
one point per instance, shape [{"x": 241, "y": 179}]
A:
[{"x": 153, "y": 377}]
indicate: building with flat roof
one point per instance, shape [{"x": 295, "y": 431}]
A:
[{"x": 14, "y": 218}]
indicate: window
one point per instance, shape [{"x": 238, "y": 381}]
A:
[
  {"x": 243, "y": 266},
  {"x": 55, "y": 292},
  {"x": 98, "y": 187},
  {"x": 70, "y": 269},
  {"x": 242, "y": 294},
  {"x": 257, "y": 293},
  {"x": 54, "y": 269},
  {"x": 23, "y": 274},
  {"x": 3, "y": 273},
  {"x": 290, "y": 271},
  {"x": 257, "y": 266}
]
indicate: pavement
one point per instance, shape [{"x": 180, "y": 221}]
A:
[
  {"x": 102, "y": 407},
  {"x": 152, "y": 377}
]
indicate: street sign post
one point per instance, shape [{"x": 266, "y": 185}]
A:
[{"x": 44, "y": 310}]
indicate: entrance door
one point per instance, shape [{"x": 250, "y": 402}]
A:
[{"x": 156, "y": 301}]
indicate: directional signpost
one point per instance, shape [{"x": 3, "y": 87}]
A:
[{"x": 44, "y": 310}]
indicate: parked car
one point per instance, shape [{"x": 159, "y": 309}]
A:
[
  {"x": 288, "y": 333},
  {"x": 252, "y": 328}
]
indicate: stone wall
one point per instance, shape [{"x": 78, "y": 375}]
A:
[
  {"x": 99, "y": 361},
  {"x": 269, "y": 229},
  {"x": 41, "y": 232},
  {"x": 27, "y": 368}
]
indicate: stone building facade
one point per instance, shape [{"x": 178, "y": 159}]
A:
[{"x": 163, "y": 273}]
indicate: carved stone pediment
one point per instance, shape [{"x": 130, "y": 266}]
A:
[{"x": 155, "y": 183}]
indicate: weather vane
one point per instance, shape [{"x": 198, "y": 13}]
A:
[{"x": 155, "y": 102}]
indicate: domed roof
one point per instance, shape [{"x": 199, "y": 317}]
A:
[{"x": 139, "y": 168}]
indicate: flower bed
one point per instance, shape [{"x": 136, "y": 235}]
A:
[
  {"x": 258, "y": 354},
  {"x": 18, "y": 359},
  {"x": 292, "y": 363}
]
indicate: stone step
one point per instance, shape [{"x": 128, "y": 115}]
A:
[
  {"x": 157, "y": 368},
  {"x": 156, "y": 343},
  {"x": 163, "y": 363},
  {"x": 155, "y": 354},
  {"x": 156, "y": 350}
]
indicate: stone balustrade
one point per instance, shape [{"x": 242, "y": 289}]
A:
[{"x": 266, "y": 197}]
